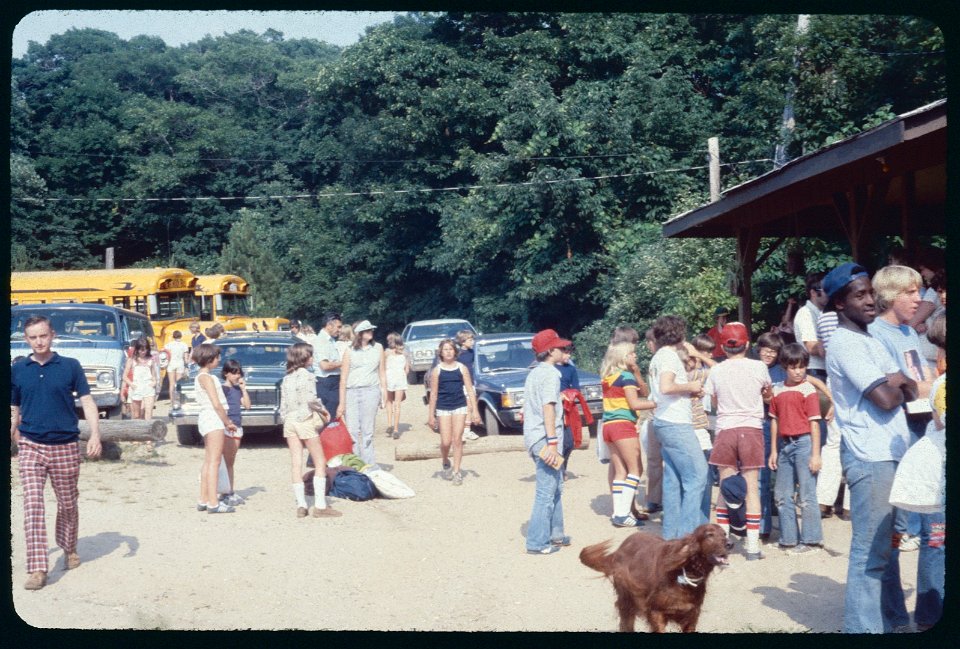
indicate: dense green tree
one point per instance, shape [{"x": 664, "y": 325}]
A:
[{"x": 512, "y": 168}]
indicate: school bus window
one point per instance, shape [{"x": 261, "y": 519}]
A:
[{"x": 236, "y": 304}]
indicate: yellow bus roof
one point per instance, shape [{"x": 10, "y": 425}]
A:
[
  {"x": 123, "y": 281},
  {"x": 215, "y": 284}
]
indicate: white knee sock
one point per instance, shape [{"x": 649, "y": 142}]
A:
[
  {"x": 299, "y": 494},
  {"x": 753, "y": 532},
  {"x": 623, "y": 494},
  {"x": 319, "y": 487}
]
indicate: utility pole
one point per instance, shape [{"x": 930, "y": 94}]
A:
[
  {"x": 788, "y": 123},
  {"x": 108, "y": 258},
  {"x": 713, "y": 150}
]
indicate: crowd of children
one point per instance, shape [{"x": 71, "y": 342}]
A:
[{"x": 786, "y": 413}]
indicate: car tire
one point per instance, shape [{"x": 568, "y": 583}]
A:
[
  {"x": 188, "y": 436},
  {"x": 490, "y": 422}
]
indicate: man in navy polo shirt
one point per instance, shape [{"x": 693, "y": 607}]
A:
[{"x": 44, "y": 427}]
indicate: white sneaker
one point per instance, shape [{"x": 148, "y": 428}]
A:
[
  {"x": 469, "y": 434},
  {"x": 909, "y": 543}
]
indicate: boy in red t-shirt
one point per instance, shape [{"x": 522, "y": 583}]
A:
[{"x": 794, "y": 424}]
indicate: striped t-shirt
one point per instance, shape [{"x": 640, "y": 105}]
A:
[{"x": 615, "y": 406}]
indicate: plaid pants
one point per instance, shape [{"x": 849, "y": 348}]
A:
[{"x": 62, "y": 463}]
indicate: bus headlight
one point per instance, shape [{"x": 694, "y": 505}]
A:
[{"x": 105, "y": 379}]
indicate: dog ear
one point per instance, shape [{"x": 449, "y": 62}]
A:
[{"x": 677, "y": 552}]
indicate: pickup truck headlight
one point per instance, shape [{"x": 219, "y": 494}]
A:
[
  {"x": 512, "y": 399},
  {"x": 105, "y": 379},
  {"x": 592, "y": 392}
]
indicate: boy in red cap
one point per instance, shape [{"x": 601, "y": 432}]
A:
[
  {"x": 543, "y": 437},
  {"x": 738, "y": 388}
]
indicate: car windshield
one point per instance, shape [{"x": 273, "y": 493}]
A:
[
  {"x": 70, "y": 323},
  {"x": 260, "y": 355},
  {"x": 443, "y": 330},
  {"x": 504, "y": 356}
]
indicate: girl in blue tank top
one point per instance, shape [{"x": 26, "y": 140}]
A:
[{"x": 452, "y": 400}]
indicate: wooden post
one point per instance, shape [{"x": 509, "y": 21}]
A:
[
  {"x": 748, "y": 242},
  {"x": 108, "y": 258},
  {"x": 713, "y": 148}
]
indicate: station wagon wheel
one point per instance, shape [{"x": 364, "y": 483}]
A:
[
  {"x": 188, "y": 436},
  {"x": 490, "y": 422}
]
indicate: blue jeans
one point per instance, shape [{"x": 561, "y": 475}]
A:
[
  {"x": 766, "y": 494},
  {"x": 874, "y": 601},
  {"x": 686, "y": 504},
  {"x": 793, "y": 461},
  {"x": 361, "y": 412},
  {"x": 930, "y": 569},
  {"x": 546, "y": 519}
]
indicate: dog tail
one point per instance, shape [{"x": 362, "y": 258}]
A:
[{"x": 597, "y": 557}]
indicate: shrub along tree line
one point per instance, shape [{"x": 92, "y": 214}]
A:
[{"x": 513, "y": 169}]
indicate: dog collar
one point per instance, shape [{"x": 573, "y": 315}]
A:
[{"x": 684, "y": 580}]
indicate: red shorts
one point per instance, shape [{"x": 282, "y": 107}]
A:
[
  {"x": 739, "y": 447},
  {"x": 614, "y": 430}
]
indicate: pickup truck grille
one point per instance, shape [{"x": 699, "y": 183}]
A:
[{"x": 265, "y": 397}]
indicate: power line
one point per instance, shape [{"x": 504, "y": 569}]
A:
[
  {"x": 385, "y": 192},
  {"x": 109, "y": 156}
]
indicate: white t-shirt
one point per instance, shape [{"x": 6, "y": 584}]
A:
[
  {"x": 674, "y": 408},
  {"x": 176, "y": 349},
  {"x": 737, "y": 383},
  {"x": 805, "y": 329}
]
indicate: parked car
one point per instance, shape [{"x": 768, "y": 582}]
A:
[
  {"x": 97, "y": 335},
  {"x": 501, "y": 364},
  {"x": 420, "y": 341},
  {"x": 263, "y": 357}
]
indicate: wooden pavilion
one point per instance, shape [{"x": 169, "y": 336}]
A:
[{"x": 889, "y": 180}]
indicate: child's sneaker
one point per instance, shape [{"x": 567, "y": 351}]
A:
[
  {"x": 803, "y": 548},
  {"x": 232, "y": 499},
  {"x": 755, "y": 556},
  {"x": 625, "y": 521},
  {"x": 457, "y": 479}
]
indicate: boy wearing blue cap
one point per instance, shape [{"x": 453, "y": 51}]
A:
[{"x": 869, "y": 392}]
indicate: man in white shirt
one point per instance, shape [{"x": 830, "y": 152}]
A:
[{"x": 805, "y": 324}]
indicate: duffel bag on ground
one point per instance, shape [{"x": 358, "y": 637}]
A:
[{"x": 352, "y": 485}]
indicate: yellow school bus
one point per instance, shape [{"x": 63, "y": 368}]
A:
[
  {"x": 226, "y": 299},
  {"x": 167, "y": 296}
]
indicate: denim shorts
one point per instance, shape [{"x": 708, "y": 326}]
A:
[
  {"x": 741, "y": 447},
  {"x": 450, "y": 413}
]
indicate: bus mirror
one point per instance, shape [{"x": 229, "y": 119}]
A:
[
  {"x": 218, "y": 303},
  {"x": 152, "y": 307}
]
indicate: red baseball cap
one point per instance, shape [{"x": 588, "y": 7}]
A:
[
  {"x": 734, "y": 334},
  {"x": 548, "y": 339}
]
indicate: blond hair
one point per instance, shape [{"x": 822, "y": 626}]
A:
[
  {"x": 891, "y": 281},
  {"x": 615, "y": 358}
]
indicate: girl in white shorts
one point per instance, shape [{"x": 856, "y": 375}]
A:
[
  {"x": 397, "y": 368},
  {"x": 303, "y": 416},
  {"x": 238, "y": 399},
  {"x": 211, "y": 423}
]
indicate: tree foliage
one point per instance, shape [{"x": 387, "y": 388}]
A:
[{"x": 511, "y": 168}]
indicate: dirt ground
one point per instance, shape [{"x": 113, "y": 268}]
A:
[{"x": 450, "y": 559}]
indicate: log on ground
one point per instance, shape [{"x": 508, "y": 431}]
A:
[
  {"x": 128, "y": 430},
  {"x": 497, "y": 444}
]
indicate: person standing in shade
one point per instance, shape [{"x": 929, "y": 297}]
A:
[
  {"x": 43, "y": 425},
  {"x": 326, "y": 358},
  {"x": 363, "y": 388},
  {"x": 869, "y": 391},
  {"x": 543, "y": 439},
  {"x": 720, "y": 315}
]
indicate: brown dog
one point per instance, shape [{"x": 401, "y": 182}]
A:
[{"x": 661, "y": 580}]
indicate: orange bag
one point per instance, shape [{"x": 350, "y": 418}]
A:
[{"x": 335, "y": 439}]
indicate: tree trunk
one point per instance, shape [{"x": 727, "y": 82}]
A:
[
  {"x": 128, "y": 430},
  {"x": 498, "y": 444}
]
